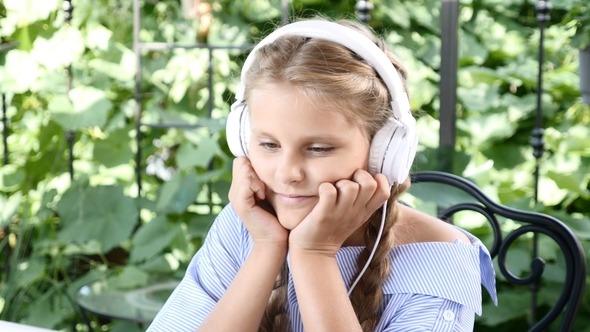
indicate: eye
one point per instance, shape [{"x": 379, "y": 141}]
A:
[
  {"x": 269, "y": 146},
  {"x": 320, "y": 149}
]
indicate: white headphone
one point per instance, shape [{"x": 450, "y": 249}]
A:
[{"x": 393, "y": 147}]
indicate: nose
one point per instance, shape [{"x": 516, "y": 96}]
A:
[{"x": 290, "y": 168}]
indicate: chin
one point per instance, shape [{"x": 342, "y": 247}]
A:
[{"x": 290, "y": 219}]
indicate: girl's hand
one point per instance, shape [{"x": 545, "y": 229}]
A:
[
  {"x": 247, "y": 196},
  {"x": 342, "y": 208}
]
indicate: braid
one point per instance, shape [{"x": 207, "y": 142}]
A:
[
  {"x": 367, "y": 297},
  {"x": 276, "y": 317}
]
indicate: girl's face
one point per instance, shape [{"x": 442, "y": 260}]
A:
[{"x": 295, "y": 146}]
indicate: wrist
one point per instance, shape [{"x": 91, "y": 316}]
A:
[
  {"x": 271, "y": 249},
  {"x": 313, "y": 252}
]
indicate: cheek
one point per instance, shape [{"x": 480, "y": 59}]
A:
[
  {"x": 338, "y": 170},
  {"x": 260, "y": 166}
]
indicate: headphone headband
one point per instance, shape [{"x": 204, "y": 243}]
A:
[
  {"x": 393, "y": 147},
  {"x": 354, "y": 41}
]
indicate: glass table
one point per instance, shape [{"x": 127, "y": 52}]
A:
[
  {"x": 15, "y": 327},
  {"x": 135, "y": 305}
]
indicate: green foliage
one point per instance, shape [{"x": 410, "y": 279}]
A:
[
  {"x": 66, "y": 232},
  {"x": 578, "y": 18}
]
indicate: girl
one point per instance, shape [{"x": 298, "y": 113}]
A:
[{"x": 324, "y": 137}]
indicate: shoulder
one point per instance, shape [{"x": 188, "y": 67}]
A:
[
  {"x": 414, "y": 226},
  {"x": 434, "y": 258}
]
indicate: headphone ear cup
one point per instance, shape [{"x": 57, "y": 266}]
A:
[
  {"x": 392, "y": 151},
  {"x": 379, "y": 146},
  {"x": 237, "y": 129},
  {"x": 405, "y": 154}
]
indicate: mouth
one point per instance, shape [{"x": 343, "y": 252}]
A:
[{"x": 293, "y": 199}]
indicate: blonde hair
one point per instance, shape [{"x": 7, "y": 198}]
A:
[{"x": 331, "y": 74}]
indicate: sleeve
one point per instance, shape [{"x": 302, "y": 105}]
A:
[
  {"x": 209, "y": 274},
  {"x": 430, "y": 313}
]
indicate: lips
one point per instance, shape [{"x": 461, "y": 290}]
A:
[{"x": 290, "y": 199}]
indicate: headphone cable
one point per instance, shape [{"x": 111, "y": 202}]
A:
[{"x": 372, "y": 251}]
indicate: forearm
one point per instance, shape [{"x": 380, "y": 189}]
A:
[
  {"x": 321, "y": 293},
  {"x": 242, "y": 305}
]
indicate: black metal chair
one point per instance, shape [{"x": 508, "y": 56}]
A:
[{"x": 452, "y": 194}]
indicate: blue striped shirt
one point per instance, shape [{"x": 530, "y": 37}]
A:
[{"x": 433, "y": 286}]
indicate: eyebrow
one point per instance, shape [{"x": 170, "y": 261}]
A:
[{"x": 308, "y": 138}]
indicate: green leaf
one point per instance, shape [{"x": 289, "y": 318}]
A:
[
  {"x": 20, "y": 72},
  {"x": 178, "y": 193},
  {"x": 101, "y": 213},
  {"x": 426, "y": 17},
  {"x": 97, "y": 36},
  {"x": 576, "y": 182},
  {"x": 432, "y": 192},
  {"x": 485, "y": 129},
  {"x": 130, "y": 277},
  {"x": 151, "y": 238},
  {"x": 115, "y": 149},
  {"x": 519, "y": 107},
  {"x": 221, "y": 188},
  {"x": 506, "y": 155},
  {"x": 549, "y": 193},
  {"x": 161, "y": 264},
  {"x": 261, "y": 10},
  {"x": 479, "y": 98},
  {"x": 397, "y": 12},
  {"x": 121, "y": 67},
  {"x": 577, "y": 140},
  {"x": 212, "y": 125},
  {"x": 518, "y": 261},
  {"x": 65, "y": 47},
  {"x": 24, "y": 12},
  {"x": 472, "y": 76},
  {"x": 47, "y": 202},
  {"x": 189, "y": 156},
  {"x": 28, "y": 271},
  {"x": 46, "y": 312},
  {"x": 113, "y": 70},
  {"x": 51, "y": 82},
  {"x": 123, "y": 326},
  {"x": 470, "y": 50},
  {"x": 553, "y": 272},
  {"x": 11, "y": 177},
  {"x": 91, "y": 247},
  {"x": 199, "y": 225},
  {"x": 89, "y": 107},
  {"x": 511, "y": 305},
  {"x": 561, "y": 80},
  {"x": 578, "y": 224},
  {"x": 9, "y": 208}
]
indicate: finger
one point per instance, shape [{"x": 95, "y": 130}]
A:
[
  {"x": 251, "y": 183},
  {"x": 257, "y": 187},
  {"x": 347, "y": 192},
  {"x": 381, "y": 194},
  {"x": 367, "y": 185},
  {"x": 245, "y": 181},
  {"x": 327, "y": 197},
  {"x": 237, "y": 167}
]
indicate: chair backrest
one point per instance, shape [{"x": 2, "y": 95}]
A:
[{"x": 452, "y": 194}]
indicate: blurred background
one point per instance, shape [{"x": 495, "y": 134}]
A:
[{"x": 112, "y": 179}]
